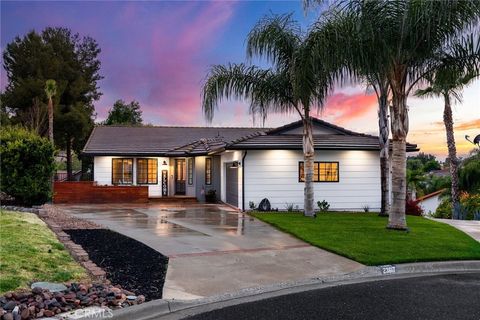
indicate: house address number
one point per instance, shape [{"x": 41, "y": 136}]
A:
[{"x": 387, "y": 269}]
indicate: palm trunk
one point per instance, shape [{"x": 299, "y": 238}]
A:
[
  {"x": 399, "y": 124},
  {"x": 384, "y": 157},
  {"x": 50, "y": 136},
  {"x": 452, "y": 155},
  {"x": 308, "y": 154},
  {"x": 69, "y": 160},
  {"x": 50, "y": 120}
]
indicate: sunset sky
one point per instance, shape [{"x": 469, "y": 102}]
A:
[{"x": 158, "y": 53}]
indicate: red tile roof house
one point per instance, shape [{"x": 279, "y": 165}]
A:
[{"x": 240, "y": 164}]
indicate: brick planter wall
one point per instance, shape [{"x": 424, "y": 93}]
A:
[{"x": 88, "y": 192}]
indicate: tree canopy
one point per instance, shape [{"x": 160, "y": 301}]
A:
[
  {"x": 68, "y": 59},
  {"x": 124, "y": 114}
]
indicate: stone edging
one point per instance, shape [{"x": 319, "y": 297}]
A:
[
  {"x": 21, "y": 209},
  {"x": 76, "y": 251}
]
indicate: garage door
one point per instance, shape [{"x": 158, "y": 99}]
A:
[{"x": 231, "y": 184}]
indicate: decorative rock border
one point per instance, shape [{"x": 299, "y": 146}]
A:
[{"x": 21, "y": 209}]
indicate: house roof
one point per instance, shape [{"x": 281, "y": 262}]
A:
[
  {"x": 148, "y": 140},
  {"x": 433, "y": 194},
  {"x": 191, "y": 141}
]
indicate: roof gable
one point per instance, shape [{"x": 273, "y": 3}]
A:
[{"x": 319, "y": 127}]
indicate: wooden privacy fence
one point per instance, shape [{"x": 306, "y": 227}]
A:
[{"x": 90, "y": 192}]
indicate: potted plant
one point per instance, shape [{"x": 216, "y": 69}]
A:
[{"x": 211, "y": 196}]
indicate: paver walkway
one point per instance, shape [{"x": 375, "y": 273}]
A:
[{"x": 214, "y": 250}]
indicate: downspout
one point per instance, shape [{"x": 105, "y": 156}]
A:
[{"x": 243, "y": 180}]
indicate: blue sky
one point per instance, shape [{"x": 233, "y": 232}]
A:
[{"x": 159, "y": 52}]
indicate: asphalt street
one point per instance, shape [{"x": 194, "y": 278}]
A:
[{"x": 430, "y": 297}]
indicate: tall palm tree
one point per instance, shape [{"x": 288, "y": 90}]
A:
[
  {"x": 294, "y": 84},
  {"x": 334, "y": 35},
  {"x": 408, "y": 35},
  {"x": 50, "y": 91},
  {"x": 447, "y": 82}
]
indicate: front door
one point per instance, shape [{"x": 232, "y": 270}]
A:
[{"x": 180, "y": 176}]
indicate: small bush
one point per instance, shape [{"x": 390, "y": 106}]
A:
[
  {"x": 444, "y": 210},
  {"x": 412, "y": 208},
  {"x": 251, "y": 204},
  {"x": 289, "y": 207},
  {"x": 469, "y": 207},
  {"x": 323, "y": 205},
  {"x": 366, "y": 208},
  {"x": 27, "y": 165}
]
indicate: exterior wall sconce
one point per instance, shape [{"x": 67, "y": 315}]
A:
[
  {"x": 164, "y": 163},
  {"x": 235, "y": 165}
]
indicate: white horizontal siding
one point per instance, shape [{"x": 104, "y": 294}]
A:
[
  {"x": 102, "y": 173},
  {"x": 273, "y": 174}
]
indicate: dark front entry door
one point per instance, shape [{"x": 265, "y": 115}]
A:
[{"x": 180, "y": 176}]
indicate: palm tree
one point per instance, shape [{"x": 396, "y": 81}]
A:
[
  {"x": 50, "y": 91},
  {"x": 294, "y": 84},
  {"x": 447, "y": 82},
  {"x": 334, "y": 36},
  {"x": 408, "y": 37}
]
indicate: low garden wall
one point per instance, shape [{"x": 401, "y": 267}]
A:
[{"x": 90, "y": 192}]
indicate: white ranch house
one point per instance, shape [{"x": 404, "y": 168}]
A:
[{"x": 240, "y": 164}]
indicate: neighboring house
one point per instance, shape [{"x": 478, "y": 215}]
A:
[
  {"x": 241, "y": 164},
  {"x": 430, "y": 202}
]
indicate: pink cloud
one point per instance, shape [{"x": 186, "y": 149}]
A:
[{"x": 342, "y": 107}]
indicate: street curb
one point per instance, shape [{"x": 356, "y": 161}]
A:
[{"x": 176, "y": 309}]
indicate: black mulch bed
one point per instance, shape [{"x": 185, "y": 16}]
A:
[{"x": 127, "y": 262}]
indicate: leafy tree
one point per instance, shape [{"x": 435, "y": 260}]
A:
[
  {"x": 469, "y": 174},
  {"x": 124, "y": 114},
  {"x": 408, "y": 37},
  {"x": 292, "y": 85},
  {"x": 424, "y": 162},
  {"x": 27, "y": 165},
  {"x": 70, "y": 60}
]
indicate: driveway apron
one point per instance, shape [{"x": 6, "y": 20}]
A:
[{"x": 213, "y": 249}]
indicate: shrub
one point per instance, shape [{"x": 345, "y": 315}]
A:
[
  {"x": 27, "y": 165},
  {"x": 444, "y": 210},
  {"x": 412, "y": 208},
  {"x": 323, "y": 205},
  {"x": 251, "y": 204},
  {"x": 469, "y": 207},
  {"x": 366, "y": 208},
  {"x": 471, "y": 204},
  {"x": 289, "y": 207}
]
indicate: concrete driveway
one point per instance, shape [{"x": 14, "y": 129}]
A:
[{"x": 215, "y": 250}]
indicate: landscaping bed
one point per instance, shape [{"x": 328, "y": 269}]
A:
[
  {"x": 127, "y": 262},
  {"x": 364, "y": 238}
]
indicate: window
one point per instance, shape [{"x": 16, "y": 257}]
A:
[
  {"x": 322, "y": 172},
  {"x": 122, "y": 171},
  {"x": 147, "y": 171},
  {"x": 190, "y": 171},
  {"x": 208, "y": 171}
]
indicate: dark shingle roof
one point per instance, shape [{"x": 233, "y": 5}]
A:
[
  {"x": 190, "y": 141},
  {"x": 323, "y": 141},
  {"x": 121, "y": 140}
]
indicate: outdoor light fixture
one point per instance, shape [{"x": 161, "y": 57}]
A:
[
  {"x": 234, "y": 165},
  {"x": 164, "y": 163}
]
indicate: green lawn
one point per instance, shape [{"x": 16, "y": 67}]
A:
[
  {"x": 364, "y": 238},
  {"x": 29, "y": 251}
]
